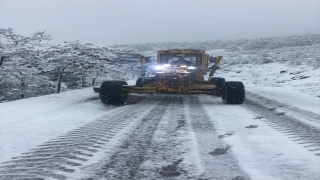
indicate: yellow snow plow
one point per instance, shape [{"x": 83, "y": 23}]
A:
[{"x": 178, "y": 71}]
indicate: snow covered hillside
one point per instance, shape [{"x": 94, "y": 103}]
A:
[
  {"x": 81, "y": 65},
  {"x": 291, "y": 62}
]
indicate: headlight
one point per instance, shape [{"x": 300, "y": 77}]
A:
[
  {"x": 183, "y": 66},
  {"x": 191, "y": 67},
  {"x": 167, "y": 65},
  {"x": 159, "y": 67}
]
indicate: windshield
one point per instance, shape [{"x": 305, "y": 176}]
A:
[{"x": 180, "y": 58}]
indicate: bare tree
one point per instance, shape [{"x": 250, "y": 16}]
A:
[
  {"x": 18, "y": 57},
  {"x": 92, "y": 60},
  {"x": 81, "y": 59}
]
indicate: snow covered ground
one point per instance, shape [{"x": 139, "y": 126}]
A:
[
  {"x": 262, "y": 152},
  {"x": 298, "y": 86}
]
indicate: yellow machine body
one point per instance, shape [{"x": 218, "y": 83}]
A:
[{"x": 178, "y": 71}]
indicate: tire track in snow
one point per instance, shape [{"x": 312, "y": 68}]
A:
[
  {"x": 67, "y": 153},
  {"x": 303, "y": 133},
  {"x": 124, "y": 163},
  {"x": 170, "y": 154},
  {"x": 171, "y": 144},
  {"x": 216, "y": 157},
  {"x": 275, "y": 105}
]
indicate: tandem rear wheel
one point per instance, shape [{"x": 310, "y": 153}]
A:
[
  {"x": 113, "y": 92},
  {"x": 233, "y": 92}
]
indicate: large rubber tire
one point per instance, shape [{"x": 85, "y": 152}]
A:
[
  {"x": 139, "y": 82},
  {"x": 147, "y": 80},
  {"x": 112, "y": 92},
  {"x": 218, "y": 81},
  {"x": 234, "y": 92}
]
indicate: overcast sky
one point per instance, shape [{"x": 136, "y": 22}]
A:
[{"x": 108, "y": 22}]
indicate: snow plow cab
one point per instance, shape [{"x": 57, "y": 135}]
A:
[{"x": 178, "y": 71}]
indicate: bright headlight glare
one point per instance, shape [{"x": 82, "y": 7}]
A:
[
  {"x": 159, "y": 67},
  {"x": 167, "y": 65},
  {"x": 191, "y": 67},
  {"x": 183, "y": 66}
]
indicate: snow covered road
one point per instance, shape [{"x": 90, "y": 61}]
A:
[{"x": 73, "y": 135}]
